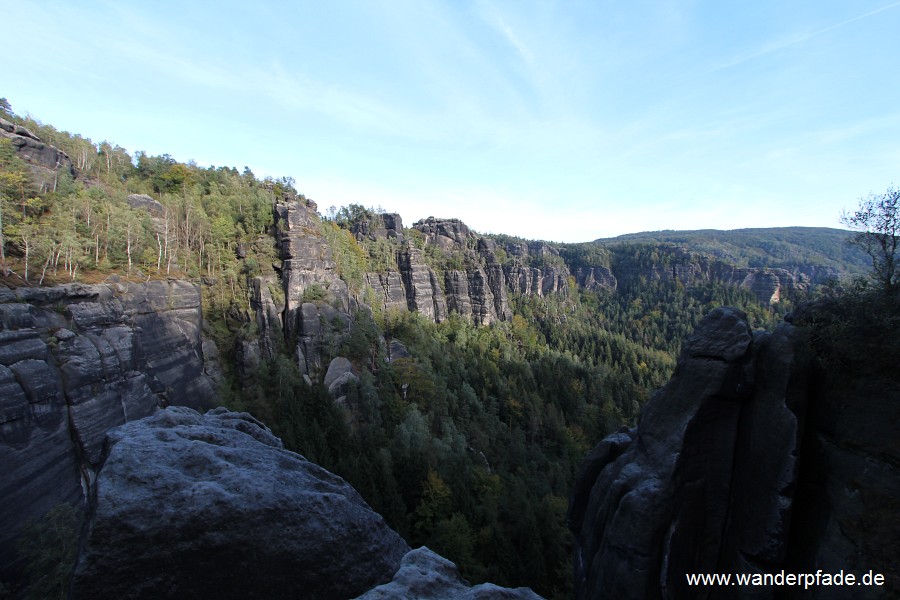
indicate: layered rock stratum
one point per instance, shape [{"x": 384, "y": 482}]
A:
[{"x": 75, "y": 361}]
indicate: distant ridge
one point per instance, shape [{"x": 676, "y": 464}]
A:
[{"x": 769, "y": 247}]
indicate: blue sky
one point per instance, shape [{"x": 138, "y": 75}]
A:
[{"x": 565, "y": 121}]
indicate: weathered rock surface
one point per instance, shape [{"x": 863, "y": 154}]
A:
[
  {"x": 481, "y": 297},
  {"x": 425, "y": 575},
  {"x": 46, "y": 161},
  {"x": 75, "y": 361},
  {"x": 267, "y": 314},
  {"x": 747, "y": 461},
  {"x": 595, "y": 278},
  {"x": 382, "y": 226},
  {"x": 339, "y": 377},
  {"x": 534, "y": 281},
  {"x": 306, "y": 260},
  {"x": 211, "y": 506},
  {"x": 317, "y": 322},
  {"x": 447, "y": 234},
  {"x": 478, "y": 291},
  {"x": 768, "y": 285},
  {"x": 388, "y": 289},
  {"x": 423, "y": 293},
  {"x": 147, "y": 203}
]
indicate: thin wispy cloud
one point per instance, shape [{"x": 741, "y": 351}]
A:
[{"x": 795, "y": 39}]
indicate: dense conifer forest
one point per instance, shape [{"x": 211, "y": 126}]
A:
[{"x": 471, "y": 442}]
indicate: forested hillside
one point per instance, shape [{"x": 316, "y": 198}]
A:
[
  {"x": 773, "y": 247},
  {"x": 464, "y": 418}
]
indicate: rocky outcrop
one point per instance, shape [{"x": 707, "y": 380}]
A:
[
  {"x": 267, "y": 314},
  {"x": 458, "y": 295},
  {"x": 534, "y": 281},
  {"x": 200, "y": 506},
  {"x": 481, "y": 297},
  {"x": 423, "y": 293},
  {"x": 45, "y": 161},
  {"x": 595, "y": 278},
  {"x": 768, "y": 285},
  {"x": 747, "y": 461},
  {"x": 470, "y": 293},
  {"x": 535, "y": 249},
  {"x": 381, "y": 226},
  {"x": 339, "y": 378},
  {"x": 497, "y": 283},
  {"x": 76, "y": 360},
  {"x": 388, "y": 289},
  {"x": 306, "y": 260},
  {"x": 446, "y": 234},
  {"x": 147, "y": 203},
  {"x": 425, "y": 575},
  {"x": 317, "y": 324}
]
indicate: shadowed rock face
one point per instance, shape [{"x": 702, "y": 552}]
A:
[
  {"x": 75, "y": 361},
  {"x": 211, "y": 506},
  {"x": 747, "y": 461}
]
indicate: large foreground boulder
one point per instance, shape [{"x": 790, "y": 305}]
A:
[{"x": 211, "y": 506}]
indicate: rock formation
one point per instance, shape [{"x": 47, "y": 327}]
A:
[
  {"x": 76, "y": 360},
  {"x": 340, "y": 378},
  {"x": 424, "y": 575},
  {"x": 306, "y": 260},
  {"x": 447, "y": 234},
  {"x": 45, "y": 161},
  {"x": 747, "y": 461},
  {"x": 267, "y": 314},
  {"x": 147, "y": 203},
  {"x": 381, "y": 226},
  {"x": 768, "y": 285},
  {"x": 388, "y": 290},
  {"x": 595, "y": 278},
  {"x": 211, "y": 506},
  {"x": 423, "y": 293}
]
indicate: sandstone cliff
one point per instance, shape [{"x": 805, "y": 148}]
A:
[
  {"x": 446, "y": 267},
  {"x": 75, "y": 361},
  {"x": 748, "y": 461}
]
